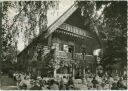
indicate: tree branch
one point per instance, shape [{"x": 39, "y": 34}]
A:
[{"x": 16, "y": 17}]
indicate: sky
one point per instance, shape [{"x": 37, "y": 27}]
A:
[{"x": 52, "y": 15}]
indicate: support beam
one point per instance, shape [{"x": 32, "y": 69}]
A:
[
  {"x": 50, "y": 41},
  {"x": 54, "y": 74},
  {"x": 73, "y": 71}
]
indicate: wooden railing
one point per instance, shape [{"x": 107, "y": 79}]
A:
[{"x": 79, "y": 56}]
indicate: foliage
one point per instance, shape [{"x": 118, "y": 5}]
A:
[
  {"x": 89, "y": 12},
  {"x": 29, "y": 15},
  {"x": 48, "y": 64},
  {"x": 115, "y": 29},
  {"x": 109, "y": 27}
]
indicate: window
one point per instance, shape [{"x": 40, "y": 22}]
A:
[{"x": 71, "y": 48}]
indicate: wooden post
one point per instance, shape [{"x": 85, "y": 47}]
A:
[
  {"x": 83, "y": 72},
  {"x": 83, "y": 79},
  {"x": 50, "y": 41},
  {"x": 55, "y": 66},
  {"x": 54, "y": 73},
  {"x": 83, "y": 65},
  {"x": 73, "y": 68},
  {"x": 73, "y": 71}
]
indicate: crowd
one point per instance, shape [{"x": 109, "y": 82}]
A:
[{"x": 90, "y": 81}]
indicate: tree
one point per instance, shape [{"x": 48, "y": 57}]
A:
[
  {"x": 24, "y": 22},
  {"x": 109, "y": 28},
  {"x": 115, "y": 29},
  {"x": 88, "y": 10}
]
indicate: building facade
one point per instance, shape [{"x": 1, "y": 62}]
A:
[{"x": 68, "y": 50}]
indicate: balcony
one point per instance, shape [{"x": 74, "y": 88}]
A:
[{"x": 76, "y": 56}]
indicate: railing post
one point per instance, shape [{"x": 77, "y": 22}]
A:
[
  {"x": 54, "y": 73},
  {"x": 54, "y": 59},
  {"x": 84, "y": 63},
  {"x": 73, "y": 70},
  {"x": 83, "y": 66}
]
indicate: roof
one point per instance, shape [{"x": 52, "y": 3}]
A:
[{"x": 48, "y": 31}]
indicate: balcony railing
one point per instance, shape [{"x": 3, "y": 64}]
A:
[
  {"x": 62, "y": 54},
  {"x": 76, "y": 56}
]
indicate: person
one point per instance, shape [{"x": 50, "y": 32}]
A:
[
  {"x": 27, "y": 81},
  {"x": 34, "y": 76},
  {"x": 99, "y": 79},
  {"x": 65, "y": 80},
  {"x": 35, "y": 86},
  {"x": 53, "y": 85},
  {"x": 43, "y": 86},
  {"x": 114, "y": 86},
  {"x": 111, "y": 80},
  {"x": 95, "y": 82},
  {"x": 125, "y": 83},
  {"x": 106, "y": 85},
  {"x": 70, "y": 84},
  {"x": 99, "y": 87},
  {"x": 89, "y": 83},
  {"x": 120, "y": 84},
  {"x": 42, "y": 83},
  {"x": 18, "y": 79},
  {"x": 23, "y": 87},
  {"x": 22, "y": 84},
  {"x": 62, "y": 85},
  {"x": 82, "y": 85},
  {"x": 14, "y": 76}
]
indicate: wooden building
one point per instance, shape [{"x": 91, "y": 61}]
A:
[{"x": 65, "y": 47}]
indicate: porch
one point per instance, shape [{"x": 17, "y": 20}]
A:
[{"x": 74, "y": 64}]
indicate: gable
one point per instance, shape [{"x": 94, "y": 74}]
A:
[
  {"x": 48, "y": 31},
  {"x": 66, "y": 17},
  {"x": 61, "y": 19}
]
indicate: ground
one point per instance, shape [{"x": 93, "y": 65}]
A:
[{"x": 7, "y": 83}]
